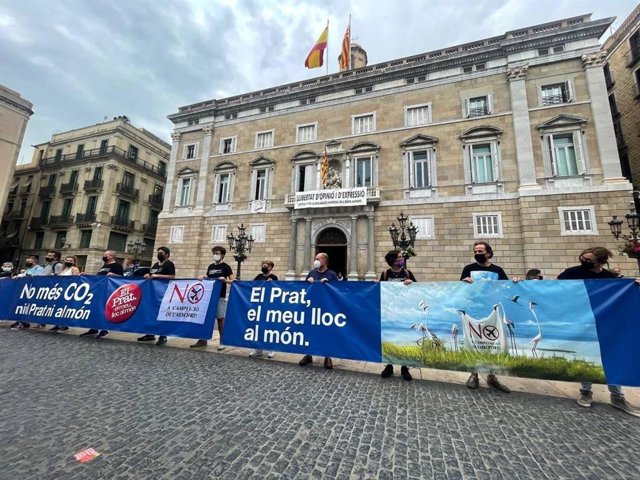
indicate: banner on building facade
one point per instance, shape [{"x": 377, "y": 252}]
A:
[{"x": 339, "y": 197}]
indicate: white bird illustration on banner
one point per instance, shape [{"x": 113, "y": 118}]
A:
[{"x": 538, "y": 337}]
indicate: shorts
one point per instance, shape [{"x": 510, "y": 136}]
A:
[{"x": 222, "y": 308}]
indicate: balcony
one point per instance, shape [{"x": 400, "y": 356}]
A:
[
  {"x": 47, "y": 191},
  {"x": 149, "y": 229},
  {"x": 60, "y": 221},
  {"x": 155, "y": 200},
  {"x": 127, "y": 191},
  {"x": 67, "y": 188},
  {"x": 122, "y": 224},
  {"x": 84, "y": 219},
  {"x": 478, "y": 111},
  {"x": 25, "y": 189},
  {"x": 38, "y": 223},
  {"x": 98, "y": 153},
  {"x": 373, "y": 197},
  {"x": 93, "y": 185}
]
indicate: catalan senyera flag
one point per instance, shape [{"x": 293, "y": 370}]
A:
[
  {"x": 315, "y": 58},
  {"x": 345, "y": 53},
  {"x": 324, "y": 170}
]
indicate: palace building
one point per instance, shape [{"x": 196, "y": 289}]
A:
[{"x": 507, "y": 139}]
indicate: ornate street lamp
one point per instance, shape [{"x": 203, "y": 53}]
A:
[
  {"x": 136, "y": 249},
  {"x": 632, "y": 240},
  {"x": 240, "y": 245},
  {"x": 399, "y": 236}
]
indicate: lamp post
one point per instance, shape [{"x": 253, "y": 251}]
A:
[
  {"x": 136, "y": 249},
  {"x": 633, "y": 238},
  {"x": 399, "y": 235},
  {"x": 240, "y": 245}
]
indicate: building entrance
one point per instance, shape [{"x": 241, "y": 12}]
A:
[{"x": 334, "y": 243}]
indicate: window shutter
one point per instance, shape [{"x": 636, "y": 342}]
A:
[
  {"x": 465, "y": 113},
  {"x": 569, "y": 92},
  {"x": 577, "y": 145},
  {"x": 552, "y": 156},
  {"x": 466, "y": 157},
  {"x": 179, "y": 192},
  {"x": 412, "y": 170},
  {"x": 489, "y": 104},
  {"x": 216, "y": 189},
  {"x": 494, "y": 161}
]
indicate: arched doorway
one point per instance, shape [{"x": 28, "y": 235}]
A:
[{"x": 333, "y": 242}]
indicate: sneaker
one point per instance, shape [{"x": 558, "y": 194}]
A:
[
  {"x": 15, "y": 326},
  {"x": 271, "y": 354},
  {"x": 64, "y": 329},
  {"x": 255, "y": 353},
  {"x": 161, "y": 340},
  {"x": 55, "y": 328},
  {"x": 328, "y": 363},
  {"x": 406, "y": 375},
  {"x": 493, "y": 381},
  {"x": 472, "y": 381},
  {"x": 585, "y": 399},
  {"x": 220, "y": 348},
  {"x": 199, "y": 343},
  {"x": 146, "y": 338},
  {"x": 622, "y": 404},
  {"x": 306, "y": 360},
  {"x": 103, "y": 333},
  {"x": 92, "y": 331},
  {"x": 387, "y": 372}
]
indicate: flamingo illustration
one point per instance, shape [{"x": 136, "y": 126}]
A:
[
  {"x": 538, "y": 337},
  {"x": 454, "y": 336}
]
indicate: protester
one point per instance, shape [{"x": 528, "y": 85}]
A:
[
  {"x": 110, "y": 267},
  {"x": 397, "y": 273},
  {"x": 69, "y": 268},
  {"x": 222, "y": 272},
  {"x": 163, "y": 268},
  {"x": 533, "y": 274},
  {"x": 53, "y": 267},
  {"x": 264, "y": 276},
  {"x": 322, "y": 274},
  {"x": 130, "y": 266},
  {"x": 483, "y": 269},
  {"x": 33, "y": 269},
  {"x": 592, "y": 261},
  {"x": 7, "y": 270}
]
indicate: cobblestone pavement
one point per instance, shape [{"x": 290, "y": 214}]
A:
[{"x": 162, "y": 412}]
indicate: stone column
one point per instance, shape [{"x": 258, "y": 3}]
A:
[
  {"x": 204, "y": 167},
  {"x": 606, "y": 138},
  {"x": 171, "y": 172},
  {"x": 293, "y": 246},
  {"x": 371, "y": 272},
  {"x": 353, "y": 250},
  {"x": 306, "y": 261},
  {"x": 522, "y": 127}
]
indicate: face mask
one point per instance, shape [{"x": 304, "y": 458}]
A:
[
  {"x": 217, "y": 258},
  {"x": 399, "y": 263},
  {"x": 6, "y": 269},
  {"x": 265, "y": 269},
  {"x": 105, "y": 259},
  {"x": 587, "y": 265},
  {"x": 68, "y": 264},
  {"x": 316, "y": 264},
  {"x": 28, "y": 264},
  {"x": 49, "y": 259},
  {"x": 161, "y": 257},
  {"x": 480, "y": 257}
]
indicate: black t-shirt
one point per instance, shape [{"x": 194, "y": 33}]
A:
[
  {"x": 391, "y": 276},
  {"x": 220, "y": 270},
  {"x": 167, "y": 268},
  {"x": 579, "y": 273},
  {"x": 492, "y": 272},
  {"x": 261, "y": 276},
  {"x": 114, "y": 267}
]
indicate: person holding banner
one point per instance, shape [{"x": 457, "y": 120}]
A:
[
  {"x": 483, "y": 269},
  {"x": 33, "y": 270},
  {"x": 222, "y": 272},
  {"x": 265, "y": 276},
  {"x": 322, "y": 274},
  {"x": 592, "y": 260},
  {"x": 397, "y": 273},
  {"x": 163, "y": 268},
  {"x": 69, "y": 268}
]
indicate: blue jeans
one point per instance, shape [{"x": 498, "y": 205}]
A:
[{"x": 614, "y": 390}]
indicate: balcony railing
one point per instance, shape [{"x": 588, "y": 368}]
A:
[
  {"x": 38, "y": 223},
  {"x": 373, "y": 196},
  {"x": 70, "y": 187},
  {"x": 155, "y": 200},
  {"x": 122, "y": 224},
  {"x": 478, "y": 111},
  {"x": 93, "y": 185},
  {"x": 127, "y": 191},
  {"x": 57, "y": 221},
  {"x": 47, "y": 191},
  {"x": 53, "y": 162},
  {"x": 554, "y": 99},
  {"x": 85, "y": 218}
]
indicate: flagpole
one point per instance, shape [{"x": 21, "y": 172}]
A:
[{"x": 327, "y": 46}]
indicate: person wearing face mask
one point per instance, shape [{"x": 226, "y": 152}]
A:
[
  {"x": 592, "y": 260},
  {"x": 483, "y": 269},
  {"x": 220, "y": 271},
  {"x": 163, "y": 268},
  {"x": 533, "y": 274},
  {"x": 110, "y": 267},
  {"x": 69, "y": 268},
  {"x": 397, "y": 273},
  {"x": 320, "y": 273},
  {"x": 32, "y": 270},
  {"x": 7, "y": 270},
  {"x": 265, "y": 276},
  {"x": 53, "y": 267}
]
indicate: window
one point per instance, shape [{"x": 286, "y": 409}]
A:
[
  {"x": 608, "y": 75},
  {"x": 556, "y": 93},
  {"x": 364, "y": 90},
  {"x": 132, "y": 154},
  {"x": 482, "y": 164},
  {"x": 563, "y": 149},
  {"x": 80, "y": 151},
  {"x": 577, "y": 221},
  {"x": 23, "y": 208},
  {"x": 231, "y": 116},
  {"x": 219, "y": 234},
  {"x": 563, "y": 154},
  {"x": 417, "y": 115},
  {"x": 363, "y": 177},
  {"x": 308, "y": 101},
  {"x": 190, "y": 151},
  {"x": 162, "y": 168},
  {"x": 477, "y": 106},
  {"x": 270, "y": 108},
  {"x": 128, "y": 180},
  {"x": 97, "y": 174},
  {"x": 223, "y": 190},
  {"x": 634, "y": 46},
  {"x": 260, "y": 191},
  {"x": 85, "y": 238},
  {"x": 122, "y": 214},
  {"x": 487, "y": 225},
  {"x": 45, "y": 210},
  {"x": 264, "y": 140},
  {"x": 194, "y": 121},
  {"x": 261, "y": 174},
  {"x": 636, "y": 74},
  {"x": 424, "y": 226},
  {"x": 613, "y": 105},
  {"x": 61, "y": 240},
  {"x": 153, "y": 220},
  {"x": 420, "y": 176},
  {"x": 73, "y": 179},
  {"x": 91, "y": 205},
  {"x": 66, "y": 207},
  {"x": 176, "y": 234},
  {"x": 104, "y": 145},
  {"x": 27, "y": 187},
  {"x": 258, "y": 232},
  {"x": 184, "y": 191},
  {"x": 58, "y": 156},
  {"x": 481, "y": 152},
  {"x": 223, "y": 185},
  {"x": 305, "y": 177},
  {"x": 306, "y": 133},
  {"x": 37, "y": 244},
  {"x": 52, "y": 180},
  {"x": 228, "y": 145},
  {"x": 117, "y": 241},
  {"x": 363, "y": 124}
]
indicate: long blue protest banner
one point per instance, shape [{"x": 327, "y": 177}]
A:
[{"x": 181, "y": 308}]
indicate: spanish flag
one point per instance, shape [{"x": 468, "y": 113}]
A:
[
  {"x": 324, "y": 170},
  {"x": 315, "y": 58}
]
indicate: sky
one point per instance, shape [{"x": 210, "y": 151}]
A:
[{"x": 83, "y": 61}]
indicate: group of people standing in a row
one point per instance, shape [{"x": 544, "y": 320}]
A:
[{"x": 592, "y": 266}]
